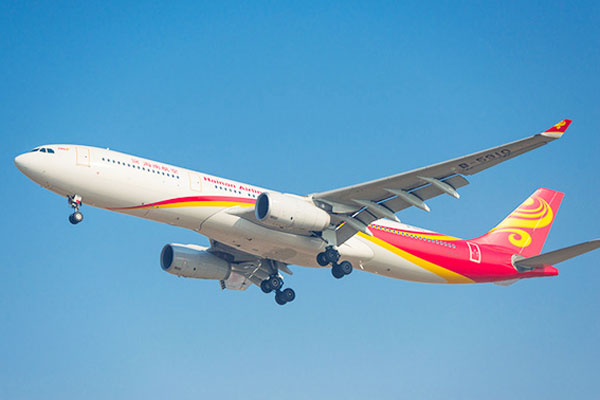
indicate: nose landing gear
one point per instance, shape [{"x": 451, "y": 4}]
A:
[
  {"x": 75, "y": 204},
  {"x": 332, "y": 256}
]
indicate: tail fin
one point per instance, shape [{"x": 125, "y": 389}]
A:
[{"x": 525, "y": 230}]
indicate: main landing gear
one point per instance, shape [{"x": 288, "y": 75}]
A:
[
  {"x": 332, "y": 256},
  {"x": 75, "y": 204},
  {"x": 274, "y": 283}
]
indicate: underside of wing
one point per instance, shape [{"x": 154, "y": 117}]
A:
[{"x": 246, "y": 268}]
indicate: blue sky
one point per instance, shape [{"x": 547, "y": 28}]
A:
[{"x": 300, "y": 97}]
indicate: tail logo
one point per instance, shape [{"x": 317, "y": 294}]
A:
[
  {"x": 560, "y": 125},
  {"x": 534, "y": 213}
]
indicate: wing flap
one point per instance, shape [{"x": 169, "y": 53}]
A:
[
  {"x": 425, "y": 193},
  {"x": 346, "y": 231}
]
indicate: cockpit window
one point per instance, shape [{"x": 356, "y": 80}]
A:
[{"x": 43, "y": 150}]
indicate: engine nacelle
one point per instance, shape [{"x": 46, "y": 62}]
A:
[
  {"x": 193, "y": 261},
  {"x": 287, "y": 212}
]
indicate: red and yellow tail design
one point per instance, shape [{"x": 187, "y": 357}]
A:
[
  {"x": 557, "y": 130},
  {"x": 525, "y": 230}
]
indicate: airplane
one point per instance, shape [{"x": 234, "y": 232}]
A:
[{"x": 256, "y": 233}]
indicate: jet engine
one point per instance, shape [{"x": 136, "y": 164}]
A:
[
  {"x": 288, "y": 212},
  {"x": 193, "y": 261}
]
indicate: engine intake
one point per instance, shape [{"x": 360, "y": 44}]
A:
[
  {"x": 191, "y": 261},
  {"x": 284, "y": 211}
]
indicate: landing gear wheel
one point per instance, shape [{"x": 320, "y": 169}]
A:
[
  {"x": 279, "y": 298},
  {"x": 345, "y": 267},
  {"x": 337, "y": 272},
  {"x": 332, "y": 254},
  {"x": 288, "y": 295},
  {"x": 322, "y": 259},
  {"x": 76, "y": 217},
  {"x": 275, "y": 282},
  {"x": 266, "y": 287}
]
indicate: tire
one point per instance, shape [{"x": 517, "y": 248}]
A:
[
  {"x": 337, "y": 272},
  {"x": 332, "y": 255},
  {"x": 288, "y": 295},
  {"x": 77, "y": 216},
  {"x": 346, "y": 267},
  {"x": 275, "y": 282},
  {"x": 266, "y": 287},
  {"x": 279, "y": 298},
  {"x": 322, "y": 259}
]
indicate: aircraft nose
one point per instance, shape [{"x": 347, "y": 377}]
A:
[
  {"x": 28, "y": 164},
  {"x": 20, "y": 162}
]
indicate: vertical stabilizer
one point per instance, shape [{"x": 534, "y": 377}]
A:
[{"x": 525, "y": 230}]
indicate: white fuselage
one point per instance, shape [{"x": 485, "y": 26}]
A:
[{"x": 127, "y": 184}]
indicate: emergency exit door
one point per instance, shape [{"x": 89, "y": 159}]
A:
[
  {"x": 195, "y": 182},
  {"x": 83, "y": 156}
]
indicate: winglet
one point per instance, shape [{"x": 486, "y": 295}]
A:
[{"x": 557, "y": 130}]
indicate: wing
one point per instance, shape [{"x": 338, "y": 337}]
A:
[
  {"x": 246, "y": 268},
  {"x": 355, "y": 207}
]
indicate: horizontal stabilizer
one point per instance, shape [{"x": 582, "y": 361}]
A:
[{"x": 556, "y": 256}]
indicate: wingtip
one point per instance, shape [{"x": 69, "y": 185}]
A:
[{"x": 558, "y": 130}]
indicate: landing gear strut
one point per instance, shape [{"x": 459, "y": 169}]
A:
[
  {"x": 274, "y": 283},
  {"x": 75, "y": 204},
  {"x": 332, "y": 256}
]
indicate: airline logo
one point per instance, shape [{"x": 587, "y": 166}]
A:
[
  {"x": 561, "y": 127},
  {"x": 526, "y": 228},
  {"x": 534, "y": 213}
]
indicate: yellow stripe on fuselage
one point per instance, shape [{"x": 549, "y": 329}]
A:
[{"x": 449, "y": 276}]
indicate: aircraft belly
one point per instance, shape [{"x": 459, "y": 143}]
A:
[{"x": 262, "y": 241}]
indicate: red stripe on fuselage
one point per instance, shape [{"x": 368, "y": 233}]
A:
[{"x": 192, "y": 199}]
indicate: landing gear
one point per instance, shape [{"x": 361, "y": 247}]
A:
[
  {"x": 332, "y": 256},
  {"x": 75, "y": 204},
  {"x": 76, "y": 217},
  {"x": 322, "y": 260},
  {"x": 274, "y": 283},
  {"x": 284, "y": 296},
  {"x": 345, "y": 267},
  {"x": 342, "y": 269}
]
